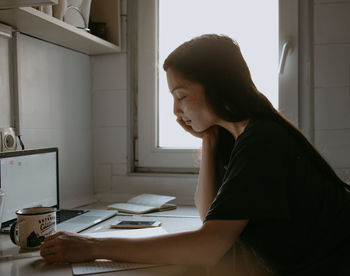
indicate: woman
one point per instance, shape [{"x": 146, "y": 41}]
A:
[{"x": 260, "y": 183}]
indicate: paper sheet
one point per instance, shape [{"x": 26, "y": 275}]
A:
[{"x": 100, "y": 266}]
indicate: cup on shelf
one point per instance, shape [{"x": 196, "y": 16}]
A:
[{"x": 75, "y": 13}]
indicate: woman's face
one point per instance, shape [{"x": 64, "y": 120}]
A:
[{"x": 190, "y": 104}]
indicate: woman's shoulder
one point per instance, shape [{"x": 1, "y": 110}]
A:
[{"x": 266, "y": 132}]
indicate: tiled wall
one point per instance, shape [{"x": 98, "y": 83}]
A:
[
  {"x": 56, "y": 110},
  {"x": 109, "y": 118},
  {"x": 332, "y": 82}
]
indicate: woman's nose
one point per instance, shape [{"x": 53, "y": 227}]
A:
[{"x": 176, "y": 109}]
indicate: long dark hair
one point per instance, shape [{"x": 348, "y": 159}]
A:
[{"x": 216, "y": 62}]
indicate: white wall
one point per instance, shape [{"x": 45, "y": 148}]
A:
[
  {"x": 332, "y": 82},
  {"x": 57, "y": 112},
  {"x": 5, "y": 96},
  {"x": 109, "y": 86}
]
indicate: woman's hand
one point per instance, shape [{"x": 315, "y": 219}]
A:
[
  {"x": 210, "y": 133},
  {"x": 66, "y": 247}
]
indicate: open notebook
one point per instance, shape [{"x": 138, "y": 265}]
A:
[{"x": 145, "y": 203}]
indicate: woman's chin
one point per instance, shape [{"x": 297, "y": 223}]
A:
[{"x": 198, "y": 129}]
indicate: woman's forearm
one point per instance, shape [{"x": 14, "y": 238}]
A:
[
  {"x": 178, "y": 248},
  {"x": 202, "y": 247},
  {"x": 207, "y": 186}
]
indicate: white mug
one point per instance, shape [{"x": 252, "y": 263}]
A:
[{"x": 32, "y": 226}]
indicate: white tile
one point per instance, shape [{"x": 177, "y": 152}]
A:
[
  {"x": 102, "y": 177},
  {"x": 109, "y": 72},
  {"x": 332, "y": 108},
  {"x": 331, "y": 65},
  {"x": 120, "y": 169},
  {"x": 332, "y": 23},
  {"x": 56, "y": 86},
  {"x": 335, "y": 146},
  {"x": 110, "y": 108},
  {"x": 110, "y": 145},
  {"x": 182, "y": 187},
  {"x": 127, "y": 184}
]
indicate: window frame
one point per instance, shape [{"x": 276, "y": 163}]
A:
[{"x": 148, "y": 156}]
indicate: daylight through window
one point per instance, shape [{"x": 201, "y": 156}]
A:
[{"x": 252, "y": 23}]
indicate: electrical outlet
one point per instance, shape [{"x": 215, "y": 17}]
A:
[{"x": 7, "y": 139}]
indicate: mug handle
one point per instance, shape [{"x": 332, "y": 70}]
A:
[{"x": 13, "y": 229}]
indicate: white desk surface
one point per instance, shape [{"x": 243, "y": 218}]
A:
[{"x": 183, "y": 218}]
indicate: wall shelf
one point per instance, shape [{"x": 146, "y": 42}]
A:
[
  {"x": 5, "y": 4},
  {"x": 32, "y": 22}
]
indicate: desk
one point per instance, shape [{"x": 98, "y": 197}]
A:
[
  {"x": 236, "y": 262},
  {"x": 181, "y": 219}
]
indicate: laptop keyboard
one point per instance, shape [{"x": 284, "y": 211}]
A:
[{"x": 63, "y": 215}]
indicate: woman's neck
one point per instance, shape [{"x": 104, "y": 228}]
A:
[{"x": 235, "y": 128}]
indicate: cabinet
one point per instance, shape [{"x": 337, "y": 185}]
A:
[{"x": 35, "y": 23}]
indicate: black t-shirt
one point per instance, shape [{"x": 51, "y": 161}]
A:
[{"x": 299, "y": 219}]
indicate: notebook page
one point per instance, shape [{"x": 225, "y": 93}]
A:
[
  {"x": 131, "y": 207},
  {"x": 150, "y": 200},
  {"x": 100, "y": 266}
]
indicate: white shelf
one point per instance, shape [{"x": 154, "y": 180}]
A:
[
  {"x": 40, "y": 25},
  {"x": 5, "y": 4}
]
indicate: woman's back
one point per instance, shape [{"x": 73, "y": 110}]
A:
[{"x": 297, "y": 215}]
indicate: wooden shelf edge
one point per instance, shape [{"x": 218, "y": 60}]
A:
[{"x": 40, "y": 25}]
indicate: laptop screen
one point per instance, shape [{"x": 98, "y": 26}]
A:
[{"x": 29, "y": 178}]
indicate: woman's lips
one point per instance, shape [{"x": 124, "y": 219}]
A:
[{"x": 188, "y": 122}]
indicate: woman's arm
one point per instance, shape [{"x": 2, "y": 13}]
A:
[
  {"x": 207, "y": 186},
  {"x": 203, "y": 247}
]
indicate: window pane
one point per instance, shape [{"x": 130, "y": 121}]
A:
[{"x": 252, "y": 23}]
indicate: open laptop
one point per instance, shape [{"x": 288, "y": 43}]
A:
[{"x": 29, "y": 178}]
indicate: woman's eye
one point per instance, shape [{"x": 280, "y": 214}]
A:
[{"x": 181, "y": 98}]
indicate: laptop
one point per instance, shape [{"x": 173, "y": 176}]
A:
[{"x": 29, "y": 178}]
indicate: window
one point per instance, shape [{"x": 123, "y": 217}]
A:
[{"x": 158, "y": 147}]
